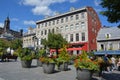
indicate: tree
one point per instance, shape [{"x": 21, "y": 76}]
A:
[
  {"x": 16, "y": 43},
  {"x": 4, "y": 43},
  {"x": 112, "y": 10},
  {"x": 54, "y": 41}
]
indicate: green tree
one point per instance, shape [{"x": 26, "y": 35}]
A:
[
  {"x": 16, "y": 43},
  {"x": 112, "y": 10},
  {"x": 4, "y": 43},
  {"x": 54, "y": 41}
]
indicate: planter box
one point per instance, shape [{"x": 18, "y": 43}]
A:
[
  {"x": 83, "y": 74},
  {"x": 26, "y": 64},
  {"x": 48, "y": 67},
  {"x": 63, "y": 66}
]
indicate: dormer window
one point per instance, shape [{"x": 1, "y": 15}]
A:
[{"x": 107, "y": 36}]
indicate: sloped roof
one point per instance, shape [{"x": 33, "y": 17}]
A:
[{"x": 113, "y": 32}]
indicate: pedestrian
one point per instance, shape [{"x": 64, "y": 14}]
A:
[
  {"x": 118, "y": 64},
  {"x": 106, "y": 61},
  {"x": 113, "y": 60}
]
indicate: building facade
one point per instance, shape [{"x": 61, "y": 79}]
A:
[
  {"x": 29, "y": 38},
  {"x": 78, "y": 26},
  {"x": 108, "y": 39},
  {"x": 6, "y": 32}
]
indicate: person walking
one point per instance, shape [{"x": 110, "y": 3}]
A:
[
  {"x": 106, "y": 61},
  {"x": 118, "y": 65},
  {"x": 113, "y": 60}
]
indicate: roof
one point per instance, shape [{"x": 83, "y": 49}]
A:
[
  {"x": 112, "y": 32},
  {"x": 69, "y": 12}
]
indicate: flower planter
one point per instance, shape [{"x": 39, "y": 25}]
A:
[
  {"x": 39, "y": 63},
  {"x": 48, "y": 67},
  {"x": 26, "y": 63},
  {"x": 63, "y": 66},
  {"x": 83, "y": 74}
]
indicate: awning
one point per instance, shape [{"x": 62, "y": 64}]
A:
[
  {"x": 110, "y": 52},
  {"x": 71, "y": 49}
]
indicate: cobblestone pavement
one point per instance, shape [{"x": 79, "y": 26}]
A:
[{"x": 13, "y": 71}]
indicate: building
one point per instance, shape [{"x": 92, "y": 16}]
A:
[
  {"x": 29, "y": 38},
  {"x": 7, "y": 33},
  {"x": 78, "y": 26},
  {"x": 108, "y": 39}
]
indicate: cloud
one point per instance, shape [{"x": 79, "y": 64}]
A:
[
  {"x": 97, "y": 2},
  {"x": 1, "y": 25},
  {"x": 30, "y": 22},
  {"x": 41, "y": 7},
  {"x": 14, "y": 19},
  {"x": 42, "y": 10}
]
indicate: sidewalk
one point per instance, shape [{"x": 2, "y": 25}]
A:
[{"x": 14, "y": 71}]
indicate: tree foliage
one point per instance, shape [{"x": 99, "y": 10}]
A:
[
  {"x": 16, "y": 43},
  {"x": 112, "y": 10},
  {"x": 4, "y": 43},
  {"x": 54, "y": 41}
]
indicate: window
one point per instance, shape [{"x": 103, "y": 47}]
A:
[
  {"x": 41, "y": 32},
  {"x": 42, "y": 24},
  {"x": 77, "y": 25},
  {"x": 82, "y": 15},
  {"x": 71, "y": 37},
  {"x": 67, "y": 19},
  {"x": 71, "y": 27},
  {"x": 62, "y": 20},
  {"x": 49, "y": 23},
  {"x": 83, "y": 36},
  {"x": 66, "y": 37},
  {"x": 102, "y": 47},
  {"x": 77, "y": 17},
  {"x": 52, "y": 30},
  {"x": 58, "y": 21},
  {"x": 66, "y": 27},
  {"x": 45, "y": 32},
  {"x": 107, "y": 36},
  {"x": 110, "y": 46},
  {"x": 53, "y": 22},
  {"x": 38, "y": 25},
  {"x": 77, "y": 36},
  {"x": 82, "y": 25},
  {"x": 61, "y": 28},
  {"x": 46, "y": 24},
  {"x": 49, "y": 31},
  {"x": 119, "y": 46},
  {"x": 71, "y": 17}
]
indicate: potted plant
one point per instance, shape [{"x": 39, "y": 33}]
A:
[
  {"x": 39, "y": 55},
  {"x": 26, "y": 55},
  {"x": 63, "y": 59},
  {"x": 2, "y": 53},
  {"x": 85, "y": 66},
  {"x": 48, "y": 64}
]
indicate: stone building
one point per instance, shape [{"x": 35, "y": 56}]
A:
[
  {"x": 78, "y": 26},
  {"x": 29, "y": 38},
  {"x": 7, "y": 33},
  {"x": 108, "y": 39}
]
